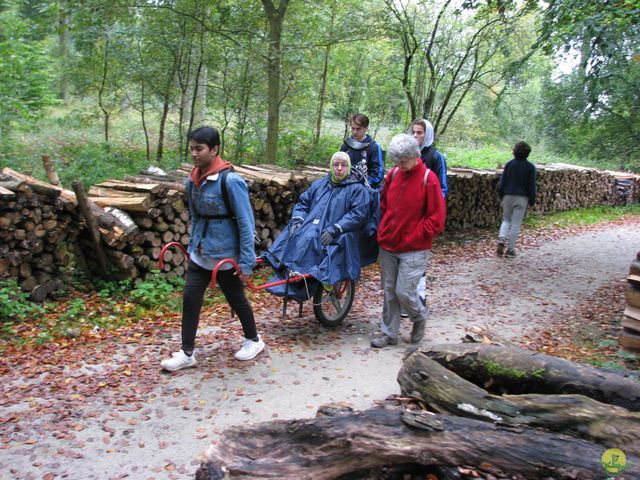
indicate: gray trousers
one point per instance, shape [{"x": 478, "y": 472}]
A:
[
  {"x": 514, "y": 207},
  {"x": 401, "y": 273}
]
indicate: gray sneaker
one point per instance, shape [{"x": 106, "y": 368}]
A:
[
  {"x": 511, "y": 253},
  {"x": 417, "y": 332},
  {"x": 383, "y": 340}
]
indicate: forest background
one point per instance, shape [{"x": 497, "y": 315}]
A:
[{"x": 108, "y": 87}]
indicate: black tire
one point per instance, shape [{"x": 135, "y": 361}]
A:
[{"x": 331, "y": 307}]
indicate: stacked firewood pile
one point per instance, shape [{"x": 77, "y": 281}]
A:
[
  {"x": 136, "y": 216},
  {"x": 630, "y": 336},
  {"x": 273, "y": 192},
  {"x": 473, "y": 202},
  {"x": 38, "y": 232},
  {"x": 627, "y": 188}
]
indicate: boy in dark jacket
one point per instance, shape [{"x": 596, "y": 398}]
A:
[
  {"x": 517, "y": 189},
  {"x": 364, "y": 152}
]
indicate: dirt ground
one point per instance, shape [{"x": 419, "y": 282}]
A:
[{"x": 104, "y": 409}]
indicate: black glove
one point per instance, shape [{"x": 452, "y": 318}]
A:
[{"x": 330, "y": 234}]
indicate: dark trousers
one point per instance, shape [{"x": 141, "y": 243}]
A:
[{"x": 198, "y": 279}]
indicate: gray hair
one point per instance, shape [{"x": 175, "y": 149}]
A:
[{"x": 403, "y": 146}]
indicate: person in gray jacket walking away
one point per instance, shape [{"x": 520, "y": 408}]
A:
[{"x": 517, "y": 189}]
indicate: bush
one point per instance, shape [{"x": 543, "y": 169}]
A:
[
  {"x": 156, "y": 291},
  {"x": 14, "y": 303}
]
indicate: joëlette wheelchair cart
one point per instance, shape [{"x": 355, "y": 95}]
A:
[{"x": 331, "y": 304}]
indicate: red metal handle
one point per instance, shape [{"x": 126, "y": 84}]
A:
[
  {"x": 167, "y": 247},
  {"x": 250, "y": 284}
]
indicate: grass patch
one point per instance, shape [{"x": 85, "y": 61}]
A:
[{"x": 582, "y": 216}]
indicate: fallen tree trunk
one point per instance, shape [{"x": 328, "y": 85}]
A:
[
  {"x": 444, "y": 392},
  {"x": 345, "y": 445},
  {"x": 517, "y": 371}
]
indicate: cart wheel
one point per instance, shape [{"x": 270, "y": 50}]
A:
[{"x": 332, "y": 306}]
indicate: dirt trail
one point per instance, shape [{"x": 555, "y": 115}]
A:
[{"x": 160, "y": 432}]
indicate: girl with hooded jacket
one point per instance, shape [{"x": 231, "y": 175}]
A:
[{"x": 433, "y": 159}]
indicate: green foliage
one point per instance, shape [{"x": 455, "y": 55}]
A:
[
  {"x": 498, "y": 370},
  {"x": 124, "y": 64},
  {"x": 498, "y": 155},
  {"x": 156, "y": 291},
  {"x": 592, "y": 112},
  {"x": 95, "y": 162},
  {"x": 14, "y": 303},
  {"x": 113, "y": 289},
  {"x": 24, "y": 89},
  {"x": 582, "y": 216}
]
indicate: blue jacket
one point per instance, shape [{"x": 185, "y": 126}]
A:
[
  {"x": 518, "y": 178},
  {"x": 223, "y": 237},
  {"x": 322, "y": 205},
  {"x": 438, "y": 165},
  {"x": 372, "y": 155}
]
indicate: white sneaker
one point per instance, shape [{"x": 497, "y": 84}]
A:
[
  {"x": 178, "y": 361},
  {"x": 249, "y": 349}
]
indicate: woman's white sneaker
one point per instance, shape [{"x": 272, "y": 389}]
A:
[
  {"x": 178, "y": 361},
  {"x": 249, "y": 349}
]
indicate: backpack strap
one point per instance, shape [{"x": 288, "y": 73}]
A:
[
  {"x": 394, "y": 171},
  {"x": 225, "y": 197},
  {"x": 225, "y": 194}
]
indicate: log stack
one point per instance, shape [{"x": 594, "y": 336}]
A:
[
  {"x": 38, "y": 232},
  {"x": 138, "y": 215},
  {"x": 627, "y": 188},
  {"x": 273, "y": 192},
  {"x": 473, "y": 202},
  {"x": 630, "y": 336},
  {"x": 159, "y": 214}
]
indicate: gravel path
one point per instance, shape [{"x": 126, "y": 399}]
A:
[{"x": 158, "y": 432}]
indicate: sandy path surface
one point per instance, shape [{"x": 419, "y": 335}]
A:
[{"x": 160, "y": 432}]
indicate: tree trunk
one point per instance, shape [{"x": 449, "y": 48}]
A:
[
  {"x": 63, "y": 49},
  {"x": 444, "y": 392},
  {"x": 165, "y": 113},
  {"x": 325, "y": 71},
  {"x": 351, "y": 445},
  {"x": 518, "y": 371},
  {"x": 275, "y": 17}
]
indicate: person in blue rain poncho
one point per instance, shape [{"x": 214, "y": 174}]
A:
[{"x": 333, "y": 218}]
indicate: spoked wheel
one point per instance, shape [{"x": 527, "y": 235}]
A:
[{"x": 332, "y": 306}]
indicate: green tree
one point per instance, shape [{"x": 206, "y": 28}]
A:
[
  {"x": 26, "y": 77},
  {"x": 594, "y": 111}
]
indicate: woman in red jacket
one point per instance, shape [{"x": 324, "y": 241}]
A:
[{"x": 413, "y": 212}]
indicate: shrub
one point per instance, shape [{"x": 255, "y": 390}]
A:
[
  {"x": 155, "y": 291},
  {"x": 14, "y": 303}
]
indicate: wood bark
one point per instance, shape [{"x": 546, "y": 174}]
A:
[
  {"x": 275, "y": 18},
  {"x": 518, "y": 371},
  {"x": 347, "y": 446},
  {"x": 92, "y": 226},
  {"x": 52, "y": 175},
  {"x": 444, "y": 392}
]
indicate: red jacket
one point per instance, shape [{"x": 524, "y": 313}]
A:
[{"x": 412, "y": 213}]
